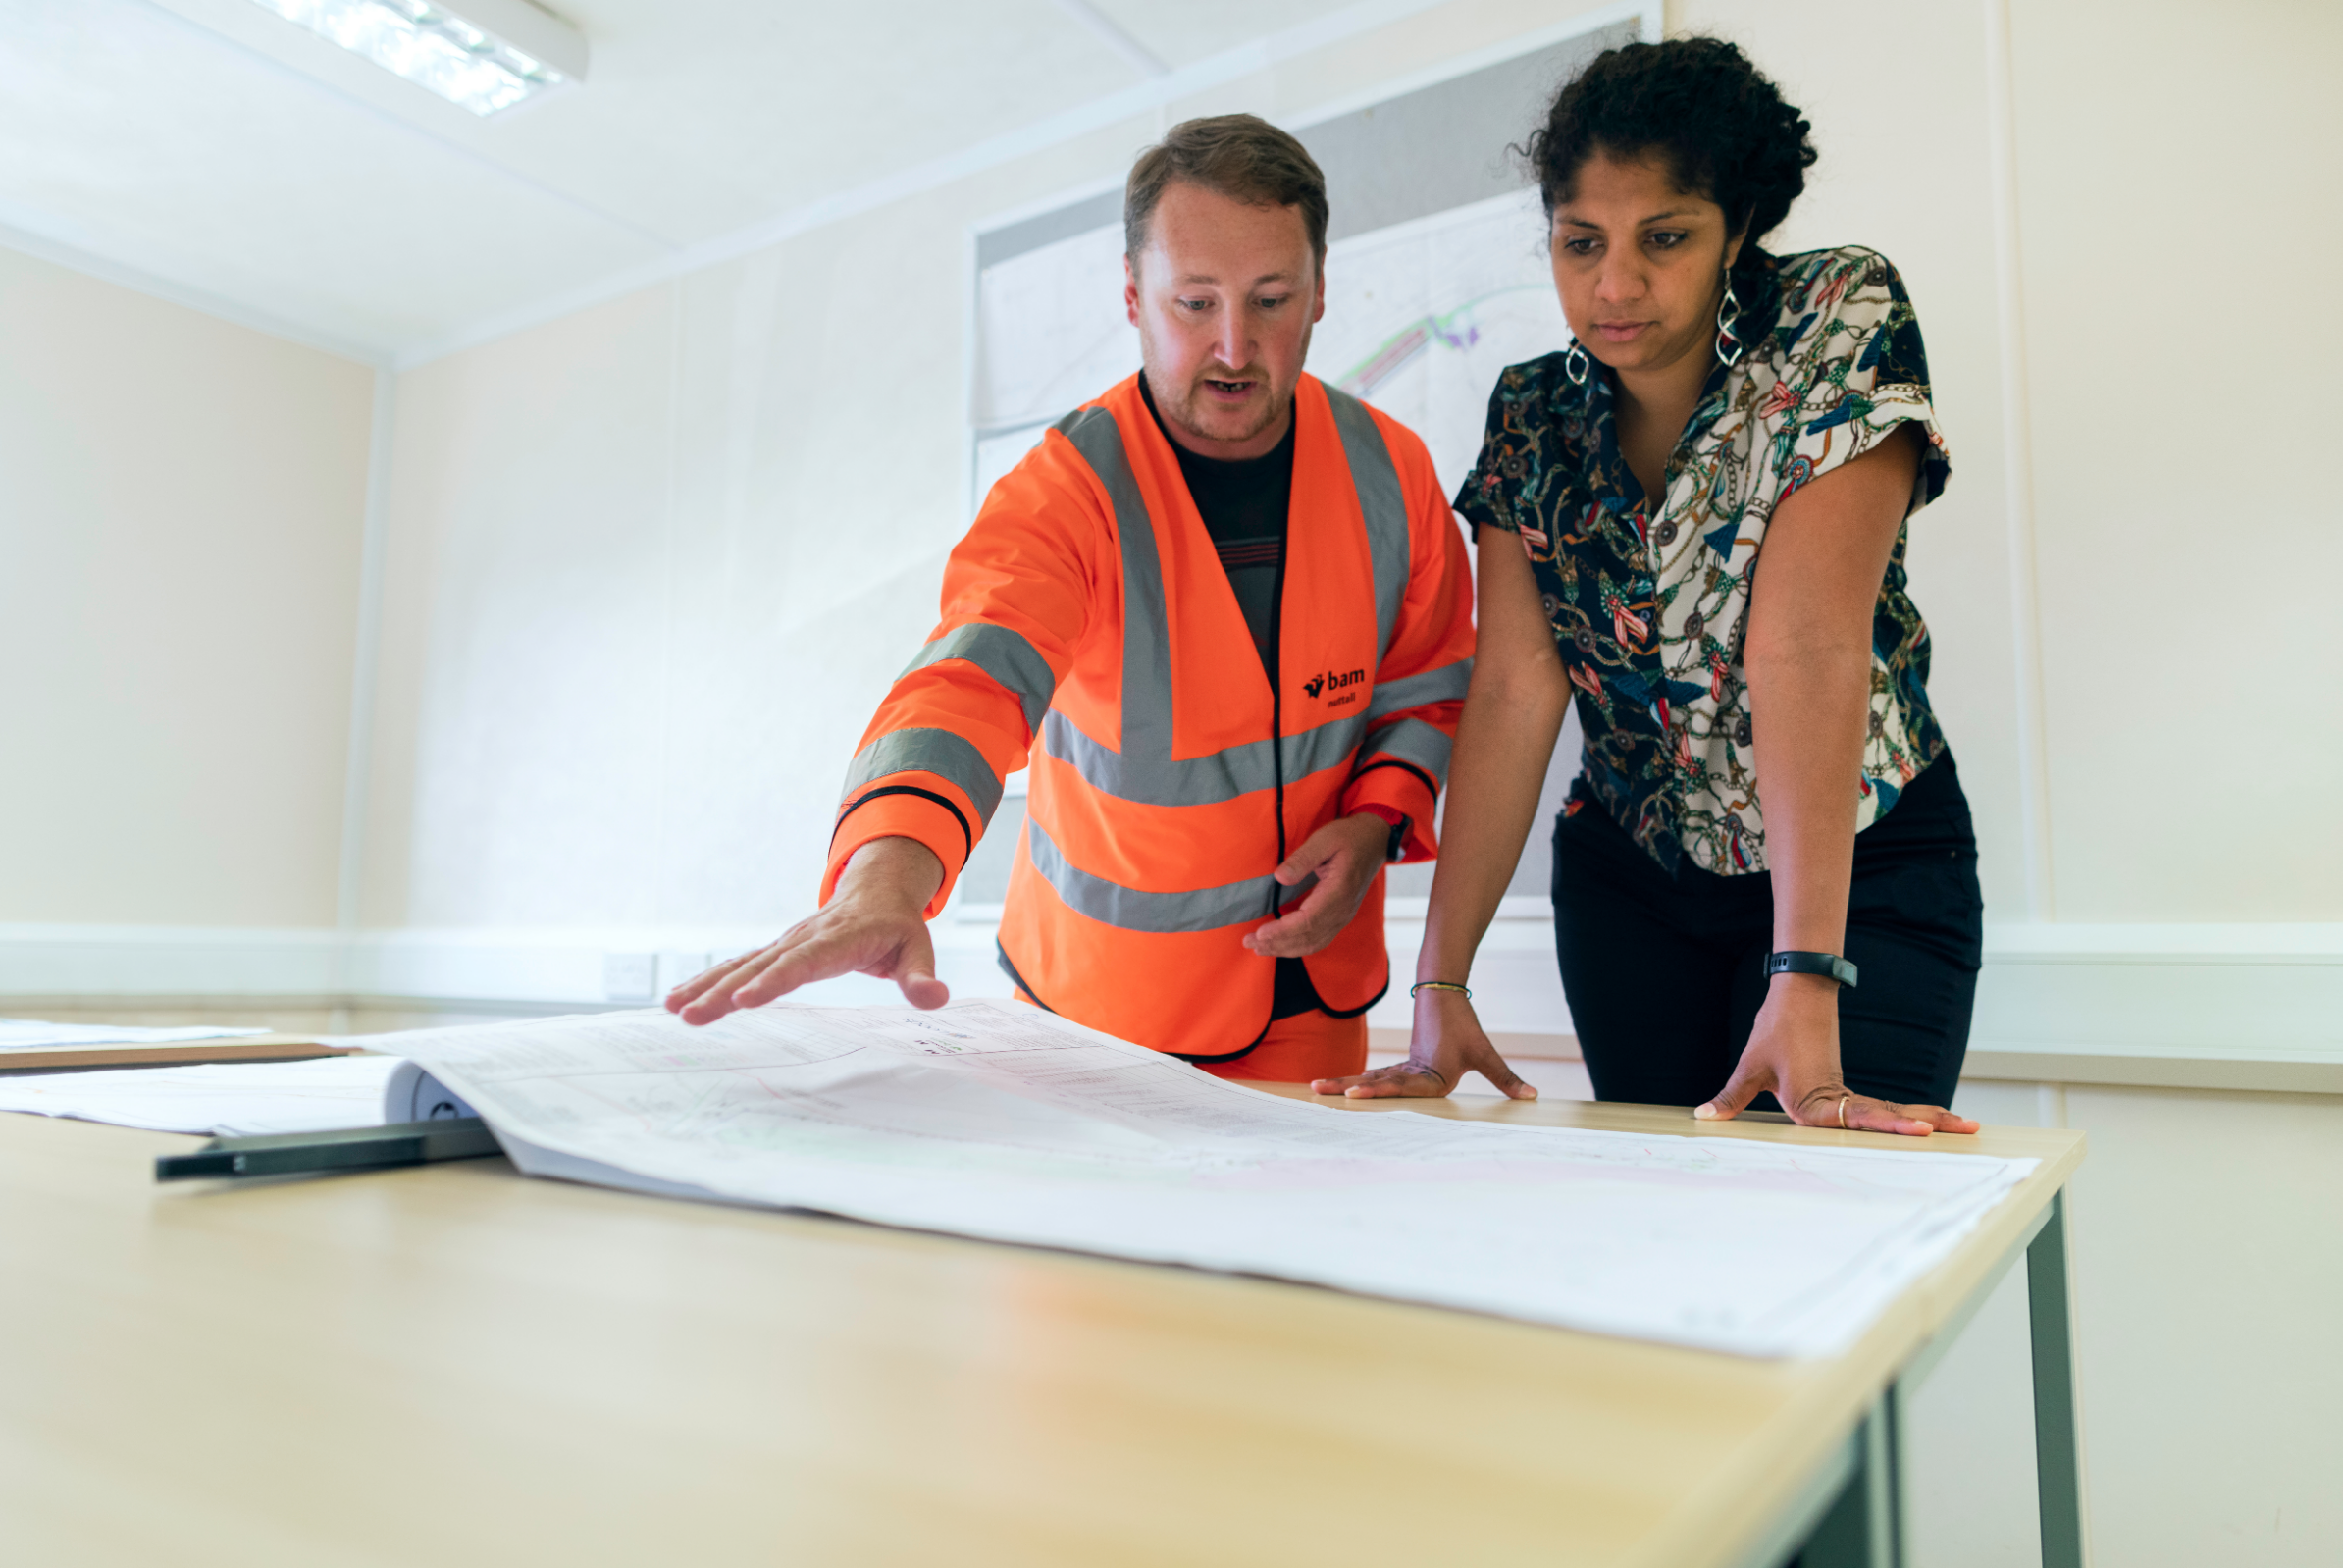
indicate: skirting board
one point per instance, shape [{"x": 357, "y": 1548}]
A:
[
  {"x": 2219, "y": 1007},
  {"x": 133, "y": 961}
]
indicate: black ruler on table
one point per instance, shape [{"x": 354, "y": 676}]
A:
[{"x": 462, "y": 1137}]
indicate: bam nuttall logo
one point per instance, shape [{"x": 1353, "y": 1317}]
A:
[{"x": 1336, "y": 680}]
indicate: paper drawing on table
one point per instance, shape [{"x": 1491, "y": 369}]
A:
[
  {"x": 237, "y": 1099},
  {"x": 998, "y": 1122}
]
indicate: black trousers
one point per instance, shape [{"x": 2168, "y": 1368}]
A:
[{"x": 1665, "y": 973}]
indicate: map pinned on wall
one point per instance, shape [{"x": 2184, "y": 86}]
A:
[
  {"x": 1051, "y": 335},
  {"x": 1423, "y": 317},
  {"x": 1436, "y": 268}
]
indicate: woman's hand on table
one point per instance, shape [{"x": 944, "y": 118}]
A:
[
  {"x": 1793, "y": 1051},
  {"x": 1448, "y": 1042}
]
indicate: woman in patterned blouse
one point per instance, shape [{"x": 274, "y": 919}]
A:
[{"x": 1720, "y": 408}]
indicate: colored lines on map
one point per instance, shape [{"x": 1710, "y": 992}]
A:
[{"x": 1452, "y": 329}]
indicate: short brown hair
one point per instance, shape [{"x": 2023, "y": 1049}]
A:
[{"x": 1240, "y": 156}]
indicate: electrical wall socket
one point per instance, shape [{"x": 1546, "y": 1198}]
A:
[
  {"x": 677, "y": 967},
  {"x": 630, "y": 977}
]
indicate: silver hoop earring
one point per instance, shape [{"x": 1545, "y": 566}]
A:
[
  {"x": 1728, "y": 318},
  {"x": 1574, "y": 364}
]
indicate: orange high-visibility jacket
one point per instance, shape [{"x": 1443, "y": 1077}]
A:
[{"x": 1089, "y": 628}]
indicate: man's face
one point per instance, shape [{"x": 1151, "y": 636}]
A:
[{"x": 1223, "y": 297}]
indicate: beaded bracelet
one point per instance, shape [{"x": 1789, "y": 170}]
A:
[{"x": 1464, "y": 991}]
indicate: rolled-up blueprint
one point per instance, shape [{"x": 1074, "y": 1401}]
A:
[{"x": 414, "y": 1095}]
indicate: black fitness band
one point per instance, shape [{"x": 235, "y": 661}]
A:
[{"x": 1829, "y": 964}]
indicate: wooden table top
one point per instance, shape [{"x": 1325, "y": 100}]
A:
[{"x": 453, "y": 1364}]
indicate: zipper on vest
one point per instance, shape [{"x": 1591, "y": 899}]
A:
[{"x": 1277, "y": 701}]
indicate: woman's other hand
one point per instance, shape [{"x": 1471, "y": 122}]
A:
[
  {"x": 1448, "y": 1043},
  {"x": 1793, "y": 1051}
]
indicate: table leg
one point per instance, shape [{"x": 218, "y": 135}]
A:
[
  {"x": 2057, "y": 1444},
  {"x": 1861, "y": 1529}
]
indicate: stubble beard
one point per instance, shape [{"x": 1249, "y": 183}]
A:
[{"x": 1186, "y": 409}]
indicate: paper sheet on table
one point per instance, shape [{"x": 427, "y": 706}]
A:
[
  {"x": 229, "y": 1099},
  {"x": 998, "y": 1121},
  {"x": 34, "y": 1034}
]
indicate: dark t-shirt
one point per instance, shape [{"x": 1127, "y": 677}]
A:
[{"x": 1244, "y": 506}]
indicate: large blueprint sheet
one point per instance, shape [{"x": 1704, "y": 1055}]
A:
[{"x": 995, "y": 1119}]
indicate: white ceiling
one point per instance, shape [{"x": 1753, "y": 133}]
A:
[{"x": 211, "y": 151}]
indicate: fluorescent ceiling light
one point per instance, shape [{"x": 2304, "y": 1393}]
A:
[{"x": 491, "y": 56}]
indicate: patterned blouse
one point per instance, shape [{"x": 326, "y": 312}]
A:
[{"x": 1650, "y": 611}]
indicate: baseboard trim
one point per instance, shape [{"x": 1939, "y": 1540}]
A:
[
  {"x": 2260, "y": 1072},
  {"x": 143, "y": 960}
]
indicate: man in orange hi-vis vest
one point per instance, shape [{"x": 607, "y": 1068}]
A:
[{"x": 1223, "y": 612}]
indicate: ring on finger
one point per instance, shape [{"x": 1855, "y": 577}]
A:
[{"x": 1843, "y": 1099}]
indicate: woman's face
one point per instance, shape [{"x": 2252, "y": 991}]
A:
[{"x": 1639, "y": 264}]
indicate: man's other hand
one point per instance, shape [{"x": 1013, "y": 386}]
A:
[
  {"x": 1344, "y": 855},
  {"x": 873, "y": 925}
]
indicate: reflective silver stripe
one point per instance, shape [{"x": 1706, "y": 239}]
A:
[
  {"x": 925, "y": 751},
  {"x": 1382, "y": 503},
  {"x": 1002, "y": 654},
  {"x": 1411, "y": 740},
  {"x": 1200, "y": 780},
  {"x": 1329, "y": 745},
  {"x": 1144, "y": 770},
  {"x": 1146, "y": 626},
  {"x": 1205, "y": 909},
  {"x": 1447, "y": 683}
]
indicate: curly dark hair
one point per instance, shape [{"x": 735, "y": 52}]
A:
[{"x": 1698, "y": 103}]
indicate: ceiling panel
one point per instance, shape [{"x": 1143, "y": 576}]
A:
[
  {"x": 231, "y": 153},
  {"x": 1188, "y": 31},
  {"x": 132, "y": 135},
  {"x": 703, "y": 119}
]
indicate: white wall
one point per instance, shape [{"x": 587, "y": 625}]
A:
[
  {"x": 180, "y": 509},
  {"x": 649, "y": 566},
  {"x": 2208, "y": 1246},
  {"x": 2176, "y": 198}
]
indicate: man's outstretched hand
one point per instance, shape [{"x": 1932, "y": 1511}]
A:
[
  {"x": 1344, "y": 855},
  {"x": 873, "y": 925}
]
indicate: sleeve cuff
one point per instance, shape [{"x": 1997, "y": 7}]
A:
[
  {"x": 917, "y": 817},
  {"x": 1393, "y": 793},
  {"x": 1890, "y": 409}
]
